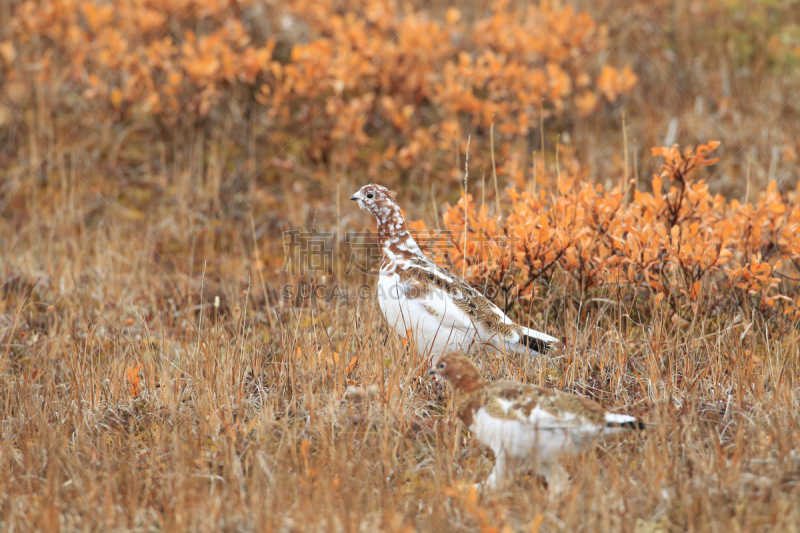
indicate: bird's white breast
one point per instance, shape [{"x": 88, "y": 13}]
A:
[
  {"x": 437, "y": 324},
  {"x": 540, "y": 435}
]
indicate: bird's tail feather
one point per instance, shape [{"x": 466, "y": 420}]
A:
[
  {"x": 537, "y": 341},
  {"x": 615, "y": 421}
]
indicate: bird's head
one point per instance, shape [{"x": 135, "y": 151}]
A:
[
  {"x": 376, "y": 199},
  {"x": 459, "y": 370}
]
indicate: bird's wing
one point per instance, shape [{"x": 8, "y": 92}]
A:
[
  {"x": 428, "y": 303},
  {"x": 442, "y": 307},
  {"x": 544, "y": 408},
  {"x": 480, "y": 310}
]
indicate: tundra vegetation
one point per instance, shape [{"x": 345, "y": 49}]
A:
[{"x": 188, "y": 341}]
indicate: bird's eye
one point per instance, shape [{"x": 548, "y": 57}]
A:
[
  {"x": 442, "y": 365},
  {"x": 370, "y": 195}
]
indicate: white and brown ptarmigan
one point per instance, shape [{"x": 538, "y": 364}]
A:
[
  {"x": 443, "y": 312},
  {"x": 527, "y": 427}
]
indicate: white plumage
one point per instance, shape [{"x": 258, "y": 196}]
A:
[
  {"x": 527, "y": 427},
  {"x": 443, "y": 312},
  {"x": 535, "y": 442}
]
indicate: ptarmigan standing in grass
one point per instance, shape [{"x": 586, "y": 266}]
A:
[
  {"x": 443, "y": 312},
  {"x": 527, "y": 427}
]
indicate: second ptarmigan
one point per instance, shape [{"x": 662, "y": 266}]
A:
[
  {"x": 524, "y": 425},
  {"x": 443, "y": 312}
]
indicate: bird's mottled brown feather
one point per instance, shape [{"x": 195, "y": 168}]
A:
[
  {"x": 473, "y": 392},
  {"x": 474, "y": 304}
]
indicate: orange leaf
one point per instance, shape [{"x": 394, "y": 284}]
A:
[
  {"x": 132, "y": 373},
  {"x": 304, "y": 446},
  {"x": 351, "y": 365}
]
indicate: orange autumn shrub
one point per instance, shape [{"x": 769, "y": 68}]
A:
[
  {"x": 427, "y": 81},
  {"x": 677, "y": 246},
  {"x": 531, "y": 63},
  {"x": 370, "y": 81},
  {"x": 139, "y": 58}
]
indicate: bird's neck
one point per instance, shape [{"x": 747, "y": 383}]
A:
[
  {"x": 466, "y": 385},
  {"x": 467, "y": 403},
  {"x": 396, "y": 242}
]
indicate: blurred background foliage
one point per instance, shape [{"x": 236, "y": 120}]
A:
[{"x": 192, "y": 116}]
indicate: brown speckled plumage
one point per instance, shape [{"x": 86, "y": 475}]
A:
[
  {"x": 444, "y": 312},
  {"x": 523, "y": 423}
]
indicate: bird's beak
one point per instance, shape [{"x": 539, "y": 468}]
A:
[
  {"x": 432, "y": 372},
  {"x": 355, "y": 197}
]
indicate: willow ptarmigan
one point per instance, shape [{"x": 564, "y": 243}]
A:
[
  {"x": 527, "y": 427},
  {"x": 443, "y": 312}
]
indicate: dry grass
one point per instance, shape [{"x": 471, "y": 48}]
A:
[
  {"x": 244, "y": 420},
  {"x": 134, "y": 249}
]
